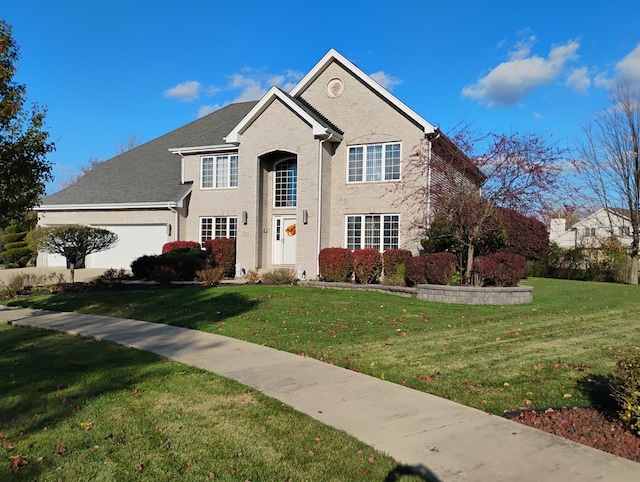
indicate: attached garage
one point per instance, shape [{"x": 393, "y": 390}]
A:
[{"x": 133, "y": 241}]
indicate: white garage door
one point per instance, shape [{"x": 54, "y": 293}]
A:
[{"x": 133, "y": 241}]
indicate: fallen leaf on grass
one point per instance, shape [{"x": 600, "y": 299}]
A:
[
  {"x": 371, "y": 460},
  {"x": 567, "y": 395},
  {"x": 139, "y": 468}
]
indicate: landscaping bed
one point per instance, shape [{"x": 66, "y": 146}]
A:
[{"x": 593, "y": 426}]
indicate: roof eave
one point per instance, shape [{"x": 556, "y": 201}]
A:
[{"x": 200, "y": 149}]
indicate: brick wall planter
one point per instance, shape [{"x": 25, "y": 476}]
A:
[{"x": 473, "y": 295}]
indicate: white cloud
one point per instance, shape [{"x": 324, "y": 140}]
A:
[
  {"x": 207, "y": 109},
  {"x": 579, "y": 79},
  {"x": 629, "y": 67},
  {"x": 185, "y": 91},
  {"x": 602, "y": 80},
  {"x": 385, "y": 80},
  {"x": 509, "y": 83}
]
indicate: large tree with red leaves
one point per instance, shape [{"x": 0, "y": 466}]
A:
[{"x": 471, "y": 175}]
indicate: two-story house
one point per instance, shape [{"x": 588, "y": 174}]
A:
[{"x": 286, "y": 176}]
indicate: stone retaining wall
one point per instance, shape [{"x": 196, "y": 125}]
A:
[
  {"x": 466, "y": 295},
  {"x": 473, "y": 295}
]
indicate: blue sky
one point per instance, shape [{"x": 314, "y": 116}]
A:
[{"x": 110, "y": 70}]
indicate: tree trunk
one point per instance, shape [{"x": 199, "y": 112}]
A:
[
  {"x": 470, "y": 250},
  {"x": 633, "y": 270},
  {"x": 72, "y": 269}
]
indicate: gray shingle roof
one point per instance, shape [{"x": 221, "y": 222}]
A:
[{"x": 150, "y": 173}]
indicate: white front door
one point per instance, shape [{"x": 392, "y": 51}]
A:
[{"x": 284, "y": 240}]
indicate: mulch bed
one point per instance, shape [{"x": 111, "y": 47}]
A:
[{"x": 592, "y": 426}]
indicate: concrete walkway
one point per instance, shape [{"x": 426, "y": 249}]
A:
[{"x": 455, "y": 442}]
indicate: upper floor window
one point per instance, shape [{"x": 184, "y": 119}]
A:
[
  {"x": 589, "y": 232},
  {"x": 219, "y": 172},
  {"x": 374, "y": 162},
  {"x": 286, "y": 184}
]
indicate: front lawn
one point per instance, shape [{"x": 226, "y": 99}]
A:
[
  {"x": 74, "y": 409},
  {"x": 556, "y": 351}
]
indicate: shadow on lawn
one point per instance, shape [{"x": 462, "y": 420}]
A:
[
  {"x": 48, "y": 378},
  {"x": 598, "y": 390},
  {"x": 181, "y": 305}
]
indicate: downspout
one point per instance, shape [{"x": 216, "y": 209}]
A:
[
  {"x": 319, "y": 215},
  {"x": 176, "y": 222},
  {"x": 429, "y": 186}
]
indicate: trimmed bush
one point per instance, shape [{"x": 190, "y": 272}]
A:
[
  {"x": 222, "y": 252},
  {"x": 392, "y": 259},
  {"x": 625, "y": 388},
  {"x": 439, "y": 267},
  {"x": 143, "y": 266},
  {"x": 500, "y": 269},
  {"x": 171, "y": 245},
  {"x": 17, "y": 252},
  {"x": 435, "y": 269},
  {"x": 367, "y": 265},
  {"x": 336, "y": 264},
  {"x": 280, "y": 276},
  {"x": 183, "y": 264},
  {"x": 416, "y": 270},
  {"x": 210, "y": 276}
]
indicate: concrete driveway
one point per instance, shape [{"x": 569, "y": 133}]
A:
[{"x": 84, "y": 274}]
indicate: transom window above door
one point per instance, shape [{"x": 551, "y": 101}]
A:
[
  {"x": 374, "y": 162},
  {"x": 286, "y": 184},
  {"x": 218, "y": 172}
]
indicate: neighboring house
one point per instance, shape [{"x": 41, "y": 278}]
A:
[
  {"x": 592, "y": 230},
  {"x": 286, "y": 176}
]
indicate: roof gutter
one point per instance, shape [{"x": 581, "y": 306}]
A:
[{"x": 98, "y": 207}]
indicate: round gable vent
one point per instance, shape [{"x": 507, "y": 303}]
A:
[{"x": 335, "y": 87}]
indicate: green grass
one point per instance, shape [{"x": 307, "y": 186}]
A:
[
  {"x": 73, "y": 409},
  {"x": 557, "y": 350}
]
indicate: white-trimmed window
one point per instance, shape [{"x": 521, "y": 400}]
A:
[
  {"x": 374, "y": 162},
  {"x": 377, "y": 231},
  {"x": 624, "y": 231},
  {"x": 219, "y": 172},
  {"x": 286, "y": 184},
  {"x": 218, "y": 227},
  {"x": 589, "y": 232}
]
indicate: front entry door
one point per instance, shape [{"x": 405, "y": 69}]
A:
[{"x": 284, "y": 242}]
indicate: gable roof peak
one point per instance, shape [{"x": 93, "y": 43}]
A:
[{"x": 334, "y": 56}]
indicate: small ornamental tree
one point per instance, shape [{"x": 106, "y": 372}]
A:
[{"x": 73, "y": 241}]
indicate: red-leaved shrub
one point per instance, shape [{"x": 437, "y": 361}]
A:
[
  {"x": 392, "y": 259},
  {"x": 500, "y": 269},
  {"x": 222, "y": 252},
  {"x": 171, "y": 245},
  {"x": 435, "y": 269},
  {"x": 335, "y": 264},
  {"x": 367, "y": 265},
  {"x": 440, "y": 267}
]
